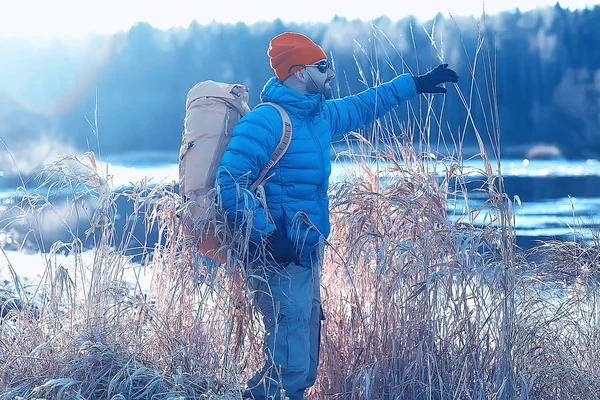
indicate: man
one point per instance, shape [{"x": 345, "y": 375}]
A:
[{"x": 293, "y": 218}]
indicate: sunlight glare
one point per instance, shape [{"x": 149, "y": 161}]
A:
[{"x": 72, "y": 18}]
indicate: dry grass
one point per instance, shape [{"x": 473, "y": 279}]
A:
[{"x": 418, "y": 305}]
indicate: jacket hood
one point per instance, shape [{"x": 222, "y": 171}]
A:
[{"x": 297, "y": 104}]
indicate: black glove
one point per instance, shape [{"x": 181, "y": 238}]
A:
[
  {"x": 429, "y": 82},
  {"x": 281, "y": 248}
]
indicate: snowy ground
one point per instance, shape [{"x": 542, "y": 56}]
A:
[{"x": 32, "y": 269}]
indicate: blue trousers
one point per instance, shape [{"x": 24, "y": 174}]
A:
[{"x": 289, "y": 301}]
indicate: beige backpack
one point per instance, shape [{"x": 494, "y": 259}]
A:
[{"x": 212, "y": 111}]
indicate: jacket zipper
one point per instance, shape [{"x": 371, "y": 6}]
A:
[{"x": 321, "y": 212}]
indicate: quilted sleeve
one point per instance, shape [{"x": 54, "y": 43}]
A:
[
  {"x": 353, "y": 112},
  {"x": 248, "y": 151}
]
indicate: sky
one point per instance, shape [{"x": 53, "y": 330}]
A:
[{"x": 75, "y": 18}]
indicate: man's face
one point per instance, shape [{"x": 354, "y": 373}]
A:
[{"x": 320, "y": 75}]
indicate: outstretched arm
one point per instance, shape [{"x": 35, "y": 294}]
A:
[{"x": 354, "y": 112}]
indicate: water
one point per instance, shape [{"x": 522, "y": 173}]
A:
[{"x": 557, "y": 198}]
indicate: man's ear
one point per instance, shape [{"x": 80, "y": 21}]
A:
[{"x": 301, "y": 75}]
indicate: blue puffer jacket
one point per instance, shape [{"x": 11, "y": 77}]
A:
[{"x": 296, "y": 195}]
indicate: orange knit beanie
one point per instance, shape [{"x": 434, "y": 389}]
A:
[{"x": 291, "y": 48}]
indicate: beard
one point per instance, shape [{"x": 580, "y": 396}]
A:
[{"x": 325, "y": 89}]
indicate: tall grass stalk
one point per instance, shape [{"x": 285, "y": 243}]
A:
[{"x": 422, "y": 301}]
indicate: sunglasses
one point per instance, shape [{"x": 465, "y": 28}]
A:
[{"x": 322, "y": 66}]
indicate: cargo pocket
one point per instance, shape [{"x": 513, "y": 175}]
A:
[{"x": 291, "y": 339}]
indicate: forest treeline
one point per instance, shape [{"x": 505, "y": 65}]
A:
[{"x": 540, "y": 70}]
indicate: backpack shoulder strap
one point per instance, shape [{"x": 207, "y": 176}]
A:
[{"x": 284, "y": 143}]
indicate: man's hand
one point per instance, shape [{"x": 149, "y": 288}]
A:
[
  {"x": 429, "y": 82},
  {"x": 278, "y": 247},
  {"x": 281, "y": 248}
]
